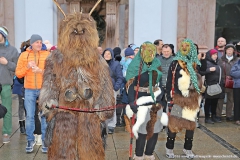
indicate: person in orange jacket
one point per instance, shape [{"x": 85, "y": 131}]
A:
[{"x": 31, "y": 66}]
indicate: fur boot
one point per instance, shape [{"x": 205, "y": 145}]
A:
[
  {"x": 128, "y": 124},
  {"x": 146, "y": 157},
  {"x": 138, "y": 158}
]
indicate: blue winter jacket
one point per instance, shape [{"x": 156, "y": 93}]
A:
[
  {"x": 116, "y": 71},
  {"x": 235, "y": 74},
  {"x": 125, "y": 62}
]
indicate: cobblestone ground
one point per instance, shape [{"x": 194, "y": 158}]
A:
[{"x": 211, "y": 141}]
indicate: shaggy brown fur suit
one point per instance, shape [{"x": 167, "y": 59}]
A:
[
  {"x": 176, "y": 124},
  {"x": 77, "y": 66}
]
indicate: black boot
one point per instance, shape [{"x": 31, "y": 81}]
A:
[
  {"x": 215, "y": 119},
  {"x": 22, "y": 127}
]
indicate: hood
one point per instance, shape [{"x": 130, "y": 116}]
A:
[
  {"x": 224, "y": 58},
  {"x": 208, "y": 57},
  {"x": 108, "y": 49}
]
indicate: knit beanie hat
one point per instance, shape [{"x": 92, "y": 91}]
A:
[
  {"x": 134, "y": 47},
  {"x": 116, "y": 51},
  {"x": 230, "y": 46},
  {"x": 213, "y": 51},
  {"x": 34, "y": 38},
  {"x": 4, "y": 32},
  {"x": 129, "y": 52}
]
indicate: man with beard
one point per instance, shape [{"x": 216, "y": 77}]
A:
[{"x": 221, "y": 43}]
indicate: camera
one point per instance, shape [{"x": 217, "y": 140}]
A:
[{"x": 238, "y": 48}]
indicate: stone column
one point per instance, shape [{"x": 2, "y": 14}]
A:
[
  {"x": 196, "y": 20},
  {"x": 7, "y": 18}
]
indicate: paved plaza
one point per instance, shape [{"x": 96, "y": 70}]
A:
[{"x": 211, "y": 142}]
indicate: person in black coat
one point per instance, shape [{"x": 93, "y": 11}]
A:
[
  {"x": 212, "y": 76},
  {"x": 117, "y": 80},
  {"x": 183, "y": 88}
]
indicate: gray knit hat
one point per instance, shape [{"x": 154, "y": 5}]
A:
[
  {"x": 230, "y": 46},
  {"x": 34, "y": 38}
]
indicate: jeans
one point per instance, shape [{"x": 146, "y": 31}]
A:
[
  {"x": 30, "y": 103},
  {"x": 112, "y": 121},
  {"x": 6, "y": 96}
]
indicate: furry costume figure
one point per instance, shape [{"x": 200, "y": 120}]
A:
[
  {"x": 76, "y": 76},
  {"x": 183, "y": 88},
  {"x": 148, "y": 103}
]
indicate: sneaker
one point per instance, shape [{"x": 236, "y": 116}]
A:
[
  {"x": 38, "y": 139},
  {"x": 237, "y": 122},
  {"x": 216, "y": 119},
  {"x": 189, "y": 153},
  {"x": 44, "y": 148},
  {"x": 22, "y": 130},
  {"x": 169, "y": 153},
  {"x": 6, "y": 138},
  {"x": 110, "y": 130},
  {"x": 208, "y": 120},
  {"x": 30, "y": 145},
  {"x": 118, "y": 124},
  {"x": 229, "y": 119},
  {"x": 138, "y": 158}
]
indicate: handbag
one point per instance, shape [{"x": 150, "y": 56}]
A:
[
  {"x": 228, "y": 80},
  {"x": 215, "y": 89},
  {"x": 3, "y": 111}
]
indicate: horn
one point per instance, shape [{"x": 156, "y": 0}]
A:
[
  {"x": 74, "y": 10},
  {"x": 55, "y": 1},
  {"x": 81, "y": 10},
  {"x": 94, "y": 7}
]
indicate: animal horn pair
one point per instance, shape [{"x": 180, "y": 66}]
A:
[{"x": 57, "y": 4}]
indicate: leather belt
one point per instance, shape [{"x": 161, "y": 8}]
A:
[{"x": 145, "y": 89}]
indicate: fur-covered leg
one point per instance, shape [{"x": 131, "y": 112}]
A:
[
  {"x": 103, "y": 127},
  {"x": 63, "y": 144},
  {"x": 49, "y": 132},
  {"x": 141, "y": 116},
  {"x": 164, "y": 119},
  {"x": 89, "y": 140}
]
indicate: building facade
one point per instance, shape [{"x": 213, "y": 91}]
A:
[{"x": 127, "y": 21}]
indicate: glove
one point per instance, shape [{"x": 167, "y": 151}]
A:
[
  {"x": 169, "y": 104},
  {"x": 169, "y": 107},
  {"x": 45, "y": 108},
  {"x": 129, "y": 111},
  {"x": 134, "y": 107}
]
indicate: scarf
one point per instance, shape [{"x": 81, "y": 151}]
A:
[
  {"x": 189, "y": 58},
  {"x": 134, "y": 66}
]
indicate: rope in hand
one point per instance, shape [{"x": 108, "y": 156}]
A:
[{"x": 88, "y": 110}]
